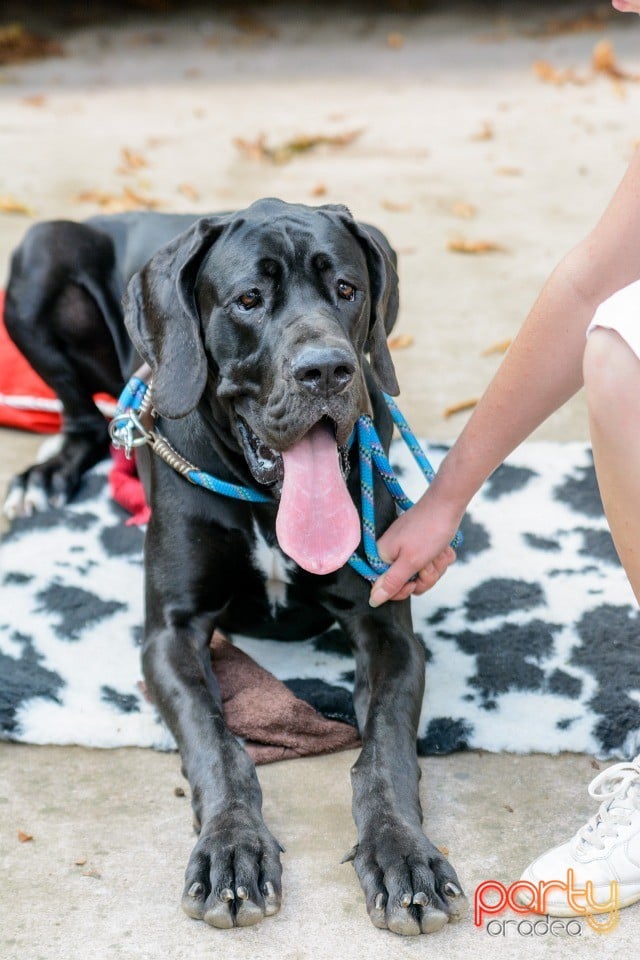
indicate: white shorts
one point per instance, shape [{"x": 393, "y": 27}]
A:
[{"x": 621, "y": 312}]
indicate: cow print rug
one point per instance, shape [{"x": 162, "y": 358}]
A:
[{"x": 532, "y": 637}]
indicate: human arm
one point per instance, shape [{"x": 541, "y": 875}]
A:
[{"x": 540, "y": 372}]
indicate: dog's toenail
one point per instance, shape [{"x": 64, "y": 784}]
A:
[
  {"x": 432, "y": 919},
  {"x": 269, "y": 890},
  {"x": 405, "y": 900},
  {"x": 451, "y": 890},
  {"x": 242, "y": 893},
  {"x": 227, "y": 894},
  {"x": 380, "y": 901},
  {"x": 196, "y": 890},
  {"x": 421, "y": 899}
]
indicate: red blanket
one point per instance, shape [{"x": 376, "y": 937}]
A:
[{"x": 26, "y": 402}]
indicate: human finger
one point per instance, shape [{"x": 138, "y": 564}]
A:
[
  {"x": 429, "y": 575},
  {"x": 391, "y": 582}
]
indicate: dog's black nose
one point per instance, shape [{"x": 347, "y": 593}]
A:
[{"x": 324, "y": 370}]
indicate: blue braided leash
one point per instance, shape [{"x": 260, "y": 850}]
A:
[
  {"x": 371, "y": 453},
  {"x": 127, "y": 431},
  {"x": 126, "y": 423}
]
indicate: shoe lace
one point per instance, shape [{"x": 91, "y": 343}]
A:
[{"x": 618, "y": 787}]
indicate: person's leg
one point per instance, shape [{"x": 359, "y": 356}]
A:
[
  {"x": 612, "y": 383},
  {"x": 604, "y": 849}
]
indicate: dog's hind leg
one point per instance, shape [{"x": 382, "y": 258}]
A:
[
  {"x": 409, "y": 886},
  {"x": 56, "y": 316}
]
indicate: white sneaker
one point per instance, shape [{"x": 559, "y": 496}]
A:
[{"x": 605, "y": 849}]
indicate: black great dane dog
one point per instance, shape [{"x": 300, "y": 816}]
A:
[{"x": 255, "y": 325}]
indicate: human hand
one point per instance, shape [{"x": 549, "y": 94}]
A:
[
  {"x": 626, "y": 6},
  {"x": 418, "y": 542}
]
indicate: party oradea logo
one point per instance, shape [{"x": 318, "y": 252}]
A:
[{"x": 492, "y": 899}]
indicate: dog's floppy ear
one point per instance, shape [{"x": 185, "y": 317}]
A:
[
  {"x": 384, "y": 301},
  {"x": 162, "y": 318}
]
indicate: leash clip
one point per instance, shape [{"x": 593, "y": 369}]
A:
[{"x": 121, "y": 431}]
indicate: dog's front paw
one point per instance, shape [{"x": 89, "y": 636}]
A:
[
  {"x": 410, "y": 887},
  {"x": 233, "y": 878}
]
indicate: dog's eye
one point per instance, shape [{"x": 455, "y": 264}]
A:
[
  {"x": 346, "y": 290},
  {"x": 249, "y": 300}
]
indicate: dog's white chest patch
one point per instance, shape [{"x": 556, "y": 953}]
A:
[{"x": 274, "y": 567}]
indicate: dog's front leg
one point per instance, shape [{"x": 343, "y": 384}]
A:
[
  {"x": 233, "y": 874},
  {"x": 409, "y": 886}
]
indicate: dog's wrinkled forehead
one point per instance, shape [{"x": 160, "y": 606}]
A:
[
  {"x": 274, "y": 257},
  {"x": 288, "y": 237}
]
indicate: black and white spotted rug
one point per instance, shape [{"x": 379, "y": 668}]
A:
[{"x": 532, "y": 638}]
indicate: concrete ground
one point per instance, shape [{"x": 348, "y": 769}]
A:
[{"x": 450, "y": 113}]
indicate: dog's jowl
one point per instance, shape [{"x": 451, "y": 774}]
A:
[{"x": 266, "y": 334}]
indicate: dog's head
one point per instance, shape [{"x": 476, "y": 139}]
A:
[{"x": 269, "y": 313}]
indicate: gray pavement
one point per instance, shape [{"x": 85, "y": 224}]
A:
[
  {"x": 117, "y": 810},
  {"x": 451, "y": 112}
]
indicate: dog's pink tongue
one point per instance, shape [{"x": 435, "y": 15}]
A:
[{"x": 317, "y": 524}]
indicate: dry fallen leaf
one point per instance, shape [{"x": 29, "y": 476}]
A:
[
  {"x": 11, "y": 205},
  {"x": 80, "y": 862},
  {"x": 401, "y": 341},
  {"x": 254, "y": 150},
  {"x": 509, "y": 171},
  {"x": 444, "y": 851},
  {"x": 319, "y": 190},
  {"x": 17, "y": 44},
  {"x": 465, "y": 211},
  {"x": 462, "y": 245},
  {"x": 131, "y": 161},
  {"x": 37, "y": 100},
  {"x": 117, "y": 203},
  {"x": 94, "y": 874},
  {"x": 547, "y": 73},
  {"x": 395, "y": 41},
  {"x": 484, "y": 133},
  {"x": 188, "y": 191},
  {"x": 24, "y": 837},
  {"x": 135, "y": 201},
  {"x": 603, "y": 60},
  {"x": 394, "y": 207},
  {"x": 257, "y": 150},
  {"x": 588, "y": 22},
  {"x": 500, "y": 347},
  {"x": 460, "y": 407}
]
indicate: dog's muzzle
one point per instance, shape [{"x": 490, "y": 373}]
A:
[{"x": 317, "y": 524}]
